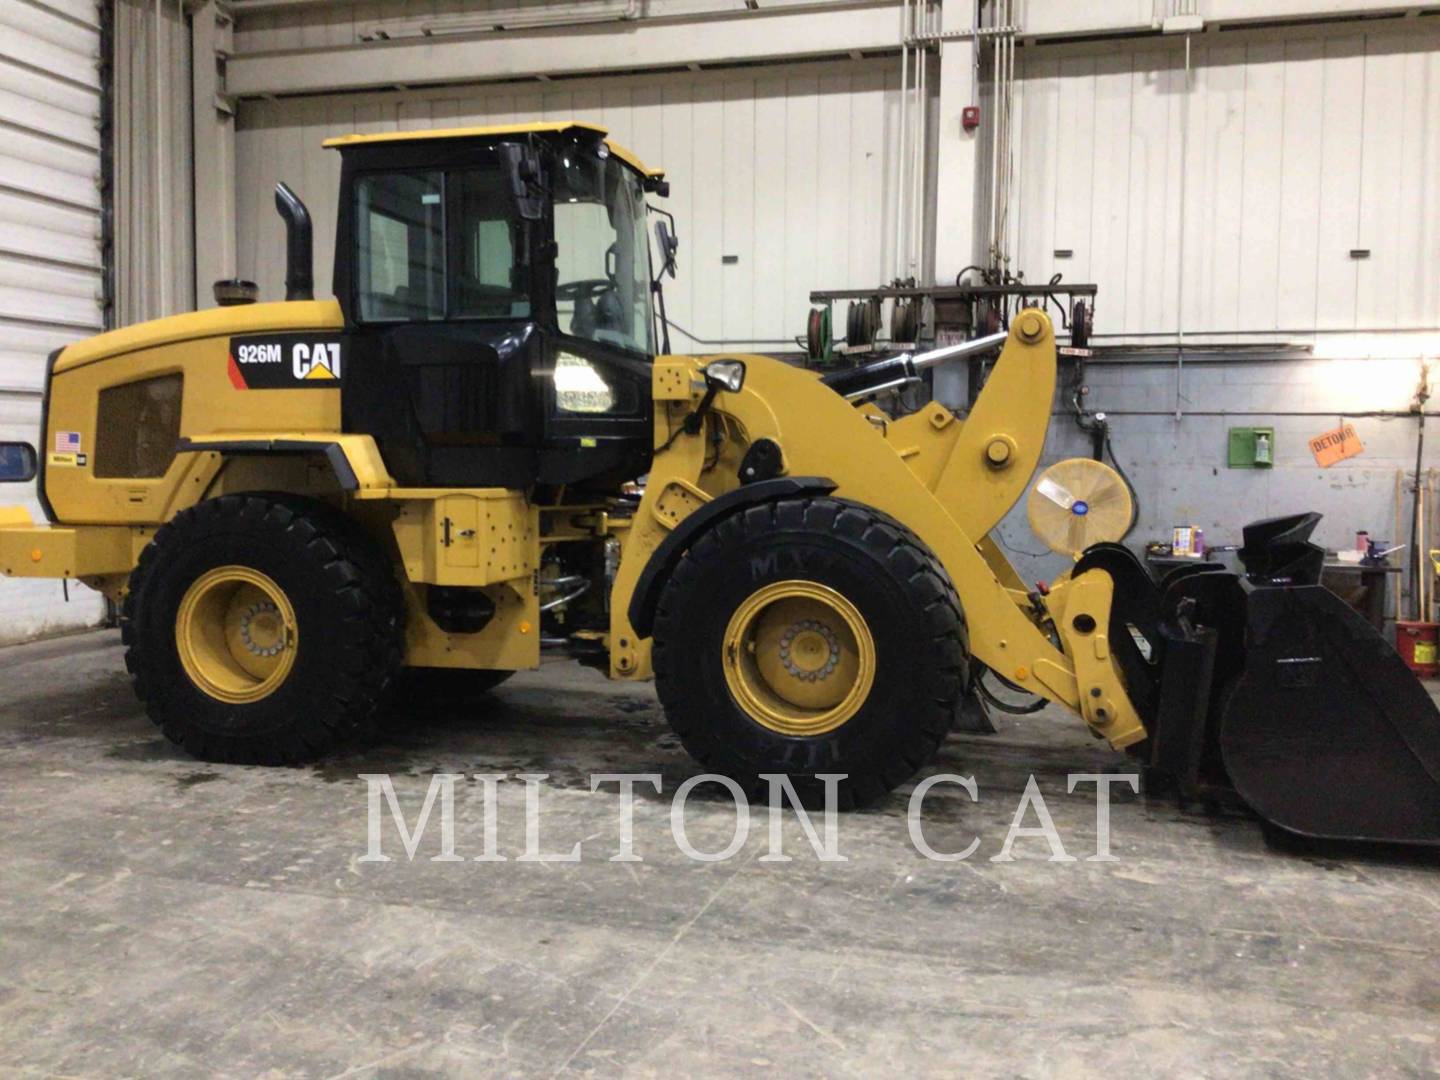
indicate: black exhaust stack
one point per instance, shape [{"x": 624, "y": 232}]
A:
[{"x": 299, "y": 244}]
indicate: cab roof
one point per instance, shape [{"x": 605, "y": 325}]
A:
[{"x": 541, "y": 127}]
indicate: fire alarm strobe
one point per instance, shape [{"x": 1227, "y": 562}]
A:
[{"x": 970, "y": 117}]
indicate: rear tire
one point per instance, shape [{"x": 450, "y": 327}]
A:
[
  {"x": 262, "y": 629},
  {"x": 753, "y": 641}
]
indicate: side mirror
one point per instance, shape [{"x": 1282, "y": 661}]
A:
[
  {"x": 17, "y": 462},
  {"x": 669, "y": 245},
  {"x": 522, "y": 169},
  {"x": 725, "y": 375}
]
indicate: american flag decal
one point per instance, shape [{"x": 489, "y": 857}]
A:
[{"x": 67, "y": 442}]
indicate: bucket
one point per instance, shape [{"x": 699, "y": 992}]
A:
[{"x": 1416, "y": 643}]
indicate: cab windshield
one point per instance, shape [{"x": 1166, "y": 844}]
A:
[{"x": 602, "y": 261}]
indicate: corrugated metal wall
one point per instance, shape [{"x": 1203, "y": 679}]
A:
[
  {"x": 49, "y": 178},
  {"x": 50, "y": 258},
  {"x": 790, "y": 169},
  {"x": 1301, "y": 146}
]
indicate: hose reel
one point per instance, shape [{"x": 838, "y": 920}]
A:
[
  {"x": 817, "y": 334},
  {"x": 904, "y": 321},
  {"x": 862, "y": 323},
  {"x": 1082, "y": 322}
]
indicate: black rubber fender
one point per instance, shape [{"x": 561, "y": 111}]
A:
[
  {"x": 333, "y": 452},
  {"x": 657, "y": 571}
]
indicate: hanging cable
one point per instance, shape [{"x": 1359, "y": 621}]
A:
[
  {"x": 1134, "y": 495},
  {"x": 1016, "y": 550},
  {"x": 1028, "y": 708}
]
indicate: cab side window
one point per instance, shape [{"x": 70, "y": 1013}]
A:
[
  {"x": 490, "y": 281},
  {"x": 400, "y": 257}
]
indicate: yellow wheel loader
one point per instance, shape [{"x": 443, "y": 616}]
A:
[{"x": 479, "y": 449}]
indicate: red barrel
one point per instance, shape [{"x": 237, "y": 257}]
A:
[{"x": 1416, "y": 643}]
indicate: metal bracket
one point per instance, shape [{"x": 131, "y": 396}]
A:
[{"x": 1085, "y": 630}]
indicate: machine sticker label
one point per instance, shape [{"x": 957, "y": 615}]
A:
[
  {"x": 287, "y": 362},
  {"x": 66, "y": 459},
  {"x": 67, "y": 442},
  {"x": 1335, "y": 446},
  {"x": 1055, "y": 493}
]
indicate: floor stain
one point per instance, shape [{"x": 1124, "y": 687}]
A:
[{"x": 190, "y": 780}]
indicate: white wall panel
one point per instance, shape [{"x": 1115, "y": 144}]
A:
[
  {"x": 1244, "y": 185},
  {"x": 788, "y": 168},
  {"x": 50, "y": 262}
]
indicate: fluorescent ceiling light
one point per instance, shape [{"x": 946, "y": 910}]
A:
[{"x": 1398, "y": 345}]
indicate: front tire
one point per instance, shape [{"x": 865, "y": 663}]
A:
[
  {"x": 262, "y": 629},
  {"x": 811, "y": 636}
]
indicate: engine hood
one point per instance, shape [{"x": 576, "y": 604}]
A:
[{"x": 212, "y": 322}]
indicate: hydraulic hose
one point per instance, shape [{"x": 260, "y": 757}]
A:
[
  {"x": 1134, "y": 495},
  {"x": 1027, "y": 709}
]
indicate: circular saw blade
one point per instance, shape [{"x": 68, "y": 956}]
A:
[{"x": 1079, "y": 502}]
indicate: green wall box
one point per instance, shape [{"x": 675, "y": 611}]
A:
[{"x": 1252, "y": 447}]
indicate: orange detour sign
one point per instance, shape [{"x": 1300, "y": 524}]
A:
[{"x": 1336, "y": 445}]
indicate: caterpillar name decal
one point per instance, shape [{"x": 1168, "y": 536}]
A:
[{"x": 287, "y": 362}]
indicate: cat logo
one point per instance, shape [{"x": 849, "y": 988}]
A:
[
  {"x": 304, "y": 361},
  {"x": 318, "y": 361}
]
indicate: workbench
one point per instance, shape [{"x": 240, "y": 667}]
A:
[{"x": 1365, "y": 588}]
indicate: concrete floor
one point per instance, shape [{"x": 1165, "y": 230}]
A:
[{"x": 164, "y": 917}]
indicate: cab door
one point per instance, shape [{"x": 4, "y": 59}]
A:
[
  {"x": 445, "y": 339},
  {"x": 598, "y": 416}
]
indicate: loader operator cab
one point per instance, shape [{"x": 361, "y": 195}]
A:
[{"x": 496, "y": 287}]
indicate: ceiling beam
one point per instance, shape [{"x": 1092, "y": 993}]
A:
[
  {"x": 731, "y": 37},
  {"x": 1098, "y": 18}
]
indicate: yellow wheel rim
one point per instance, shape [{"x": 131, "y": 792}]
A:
[
  {"x": 799, "y": 658},
  {"x": 236, "y": 634}
]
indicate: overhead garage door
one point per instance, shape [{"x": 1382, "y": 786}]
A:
[
  {"x": 782, "y": 177},
  {"x": 1235, "y": 201},
  {"x": 50, "y": 256}
]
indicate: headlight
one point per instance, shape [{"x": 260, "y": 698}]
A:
[
  {"x": 726, "y": 374},
  {"x": 579, "y": 386}
]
